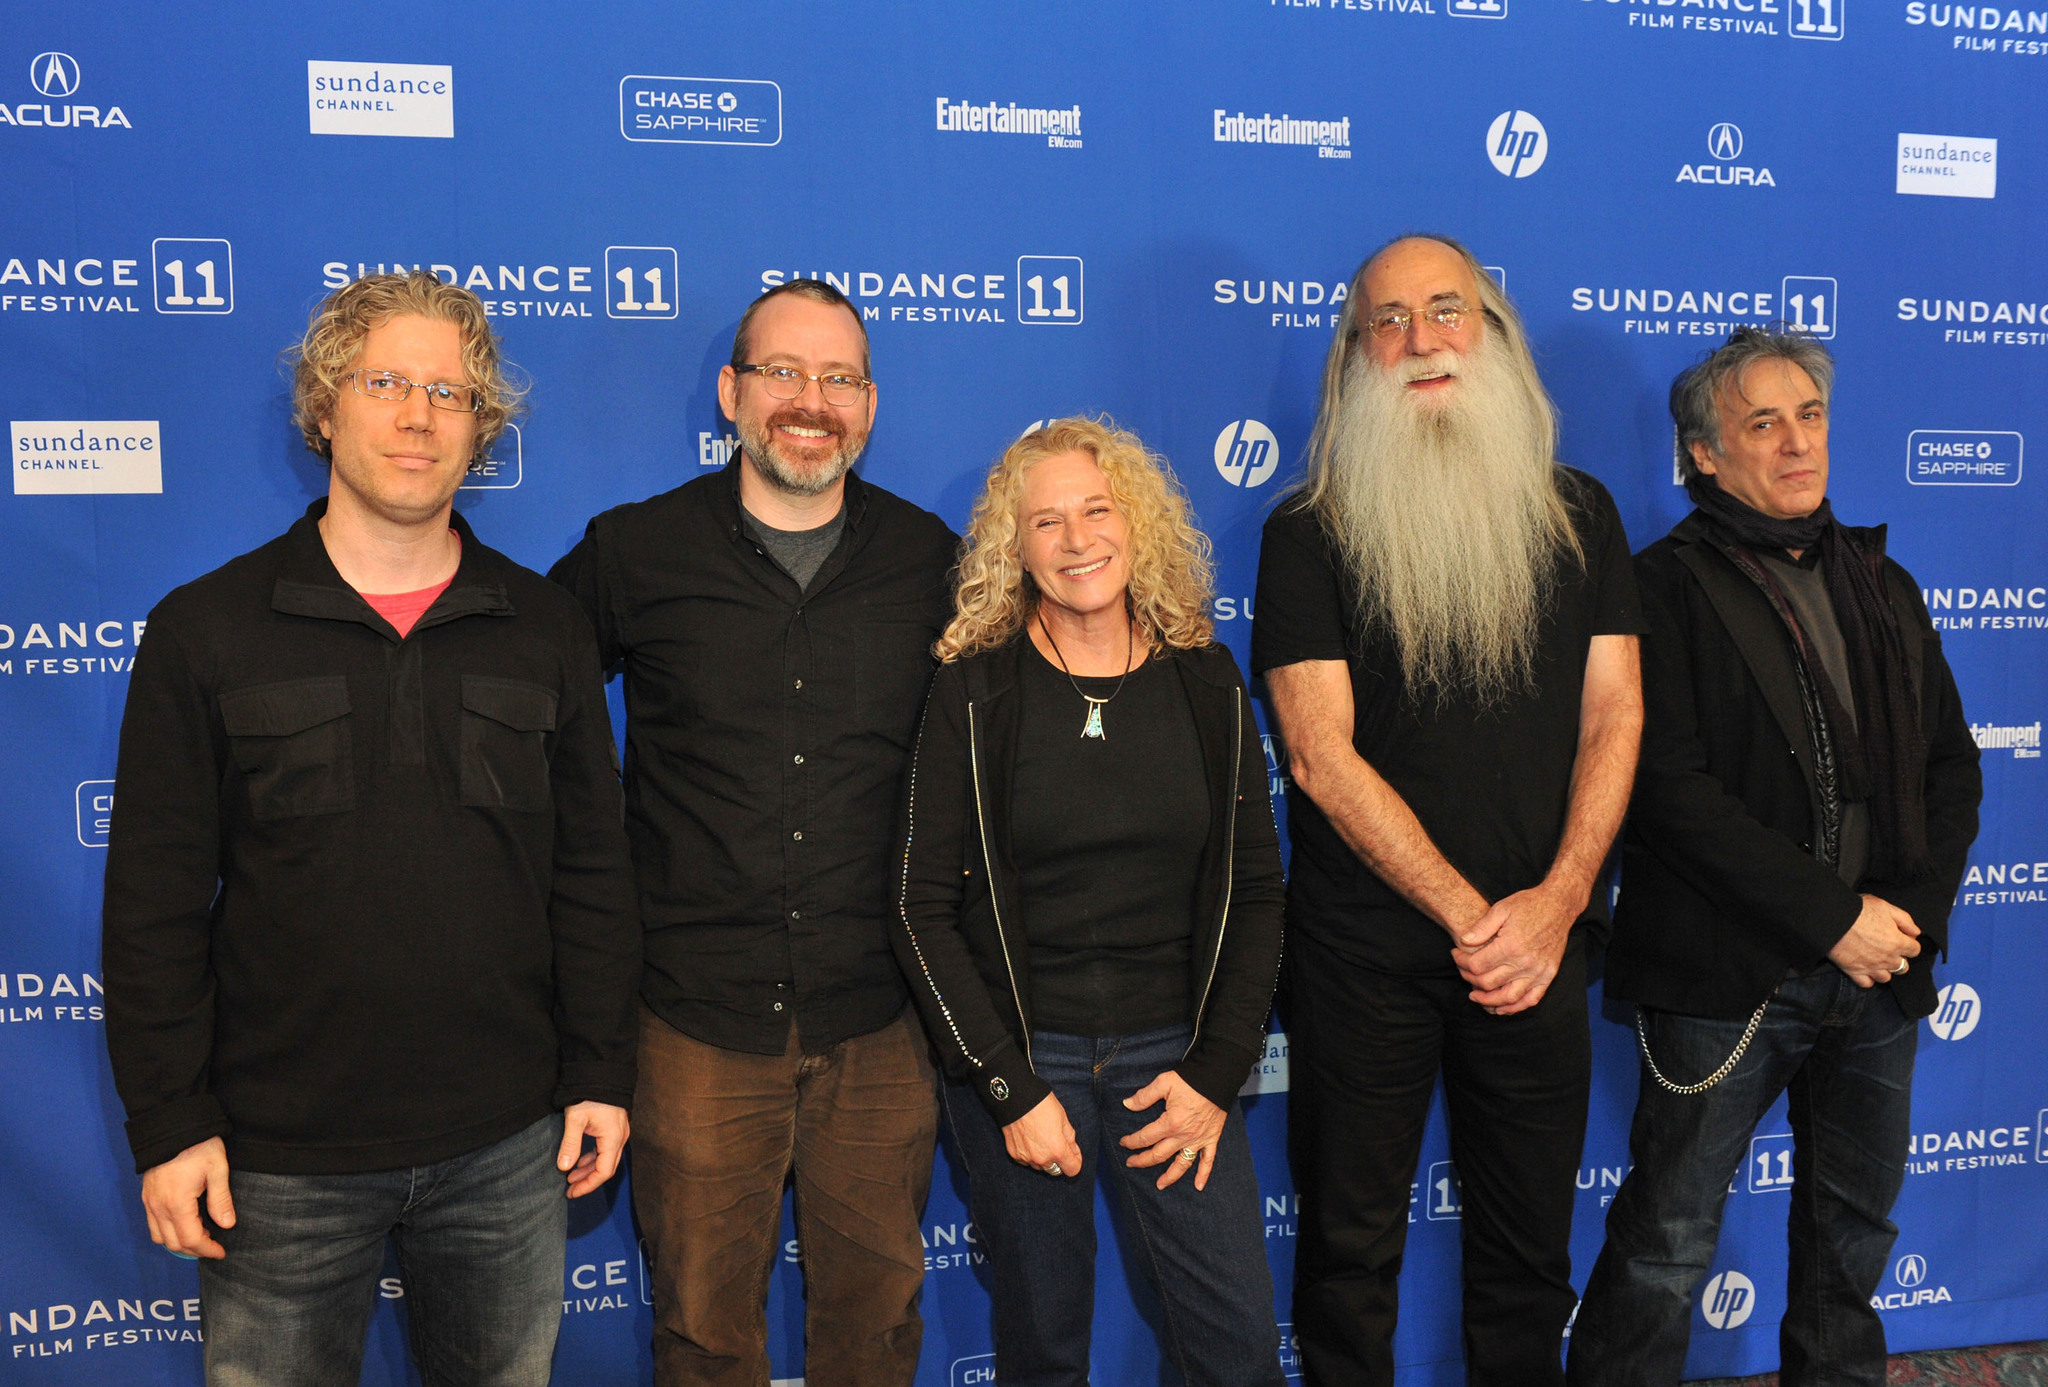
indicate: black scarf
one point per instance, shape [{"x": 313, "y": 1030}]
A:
[{"x": 1889, "y": 752}]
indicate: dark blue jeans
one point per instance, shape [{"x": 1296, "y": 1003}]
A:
[
  {"x": 1846, "y": 1054},
  {"x": 1204, "y": 1251},
  {"x": 480, "y": 1242}
]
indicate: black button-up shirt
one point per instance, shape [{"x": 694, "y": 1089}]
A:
[{"x": 767, "y": 732}]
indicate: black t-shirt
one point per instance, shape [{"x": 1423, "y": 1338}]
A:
[
  {"x": 1108, "y": 835},
  {"x": 1491, "y": 786}
]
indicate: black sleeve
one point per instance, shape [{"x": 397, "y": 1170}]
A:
[
  {"x": 593, "y": 908},
  {"x": 163, "y": 871},
  {"x": 1682, "y": 812},
  {"x": 588, "y": 572},
  {"x": 932, "y": 890},
  {"x": 1233, "y": 1026},
  {"x": 1617, "y": 604},
  {"x": 1953, "y": 790},
  {"x": 1299, "y": 604}
]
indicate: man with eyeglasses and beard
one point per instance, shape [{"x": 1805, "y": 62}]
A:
[
  {"x": 1447, "y": 626},
  {"x": 774, "y": 623}
]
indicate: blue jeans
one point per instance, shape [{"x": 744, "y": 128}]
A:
[
  {"x": 480, "y": 1241},
  {"x": 1204, "y": 1251},
  {"x": 1846, "y": 1054}
]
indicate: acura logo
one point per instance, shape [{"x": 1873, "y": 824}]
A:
[
  {"x": 1724, "y": 141},
  {"x": 54, "y": 74},
  {"x": 1911, "y": 1270}
]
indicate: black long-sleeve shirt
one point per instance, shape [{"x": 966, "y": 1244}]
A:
[
  {"x": 767, "y": 730},
  {"x": 368, "y": 900}
]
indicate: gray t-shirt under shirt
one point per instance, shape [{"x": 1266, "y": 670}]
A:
[
  {"x": 1806, "y": 588},
  {"x": 800, "y": 553}
]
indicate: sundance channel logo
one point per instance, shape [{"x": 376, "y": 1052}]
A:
[
  {"x": 415, "y": 100},
  {"x": 87, "y": 457}
]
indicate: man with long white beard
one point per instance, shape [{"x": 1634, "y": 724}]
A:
[
  {"x": 775, "y": 624},
  {"x": 1447, "y": 625}
]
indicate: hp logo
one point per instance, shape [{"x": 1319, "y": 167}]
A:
[
  {"x": 1517, "y": 143},
  {"x": 1724, "y": 141},
  {"x": 1729, "y": 1300},
  {"x": 1911, "y": 1270},
  {"x": 54, "y": 74},
  {"x": 1957, "y": 1012},
  {"x": 1247, "y": 454}
]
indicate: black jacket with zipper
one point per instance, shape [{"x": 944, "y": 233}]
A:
[
  {"x": 368, "y": 899},
  {"x": 959, "y": 929},
  {"x": 1721, "y": 894}
]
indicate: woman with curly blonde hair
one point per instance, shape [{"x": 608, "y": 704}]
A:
[{"x": 1090, "y": 907}]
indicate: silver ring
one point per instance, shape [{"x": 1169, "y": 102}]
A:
[
  {"x": 1188, "y": 1153},
  {"x": 1053, "y": 1168},
  {"x": 1900, "y": 969}
]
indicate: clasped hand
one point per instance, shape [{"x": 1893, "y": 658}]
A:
[
  {"x": 1189, "y": 1122},
  {"x": 1511, "y": 953}
]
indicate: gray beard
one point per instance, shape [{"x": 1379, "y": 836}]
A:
[
  {"x": 797, "y": 478},
  {"x": 1448, "y": 516}
]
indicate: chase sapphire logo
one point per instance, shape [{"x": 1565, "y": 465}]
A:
[
  {"x": 54, "y": 74},
  {"x": 1964, "y": 457},
  {"x": 700, "y": 110}
]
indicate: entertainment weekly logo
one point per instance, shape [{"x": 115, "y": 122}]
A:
[
  {"x": 1060, "y": 125},
  {"x": 1331, "y": 139}
]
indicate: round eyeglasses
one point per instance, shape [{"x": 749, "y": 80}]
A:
[
  {"x": 787, "y": 383},
  {"x": 389, "y": 385},
  {"x": 1444, "y": 317}
]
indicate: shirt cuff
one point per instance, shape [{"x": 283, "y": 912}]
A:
[
  {"x": 596, "y": 1081},
  {"x": 1007, "y": 1085},
  {"x": 163, "y": 1132},
  {"x": 1217, "y": 1069}
]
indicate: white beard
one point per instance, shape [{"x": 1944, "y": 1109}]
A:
[
  {"x": 787, "y": 474},
  {"x": 1447, "y": 511}
]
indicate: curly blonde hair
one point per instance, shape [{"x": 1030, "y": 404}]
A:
[
  {"x": 1172, "y": 579},
  {"x": 322, "y": 359}
]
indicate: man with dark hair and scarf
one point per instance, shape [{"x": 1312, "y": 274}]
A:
[{"x": 1806, "y": 796}]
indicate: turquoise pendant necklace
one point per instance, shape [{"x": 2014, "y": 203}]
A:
[{"x": 1092, "y": 727}]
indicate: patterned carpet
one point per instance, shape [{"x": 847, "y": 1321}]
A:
[{"x": 2000, "y": 1365}]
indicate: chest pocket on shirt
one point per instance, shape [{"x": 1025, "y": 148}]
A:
[
  {"x": 291, "y": 741},
  {"x": 504, "y": 743},
  {"x": 892, "y": 664}
]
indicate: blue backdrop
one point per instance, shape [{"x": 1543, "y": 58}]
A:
[{"x": 1044, "y": 209}]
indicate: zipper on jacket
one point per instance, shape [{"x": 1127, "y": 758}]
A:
[
  {"x": 1229, "y": 858},
  {"x": 988, "y": 865}
]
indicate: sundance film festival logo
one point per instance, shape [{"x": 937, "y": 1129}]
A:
[
  {"x": 1724, "y": 142},
  {"x": 1804, "y": 302},
  {"x": 90, "y": 284},
  {"x": 1982, "y": 322},
  {"x": 1060, "y": 125},
  {"x": 1517, "y": 144},
  {"x": 2013, "y": 32},
  {"x": 1800, "y": 19},
  {"x": 700, "y": 110},
  {"x": 407, "y": 99},
  {"x": 57, "y": 77},
  {"x": 1964, "y": 457},
  {"x": 2006, "y": 883},
  {"x": 1039, "y": 291}
]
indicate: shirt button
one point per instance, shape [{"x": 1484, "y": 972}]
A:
[
  {"x": 798, "y": 835},
  {"x": 799, "y": 683},
  {"x": 799, "y": 758},
  {"x": 778, "y": 1006},
  {"x": 794, "y": 915}
]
